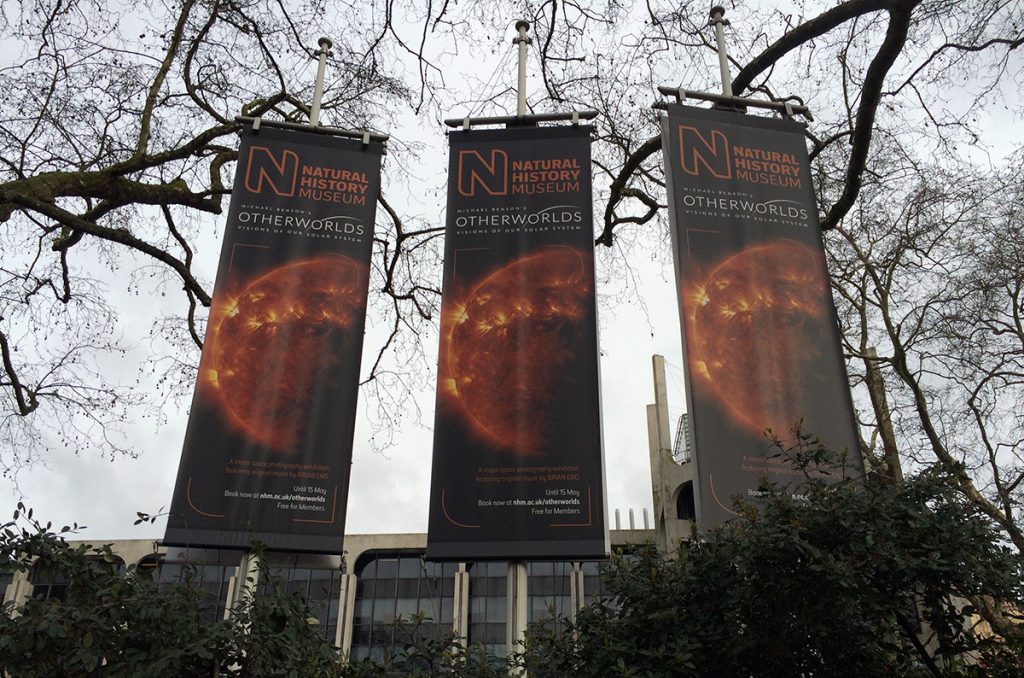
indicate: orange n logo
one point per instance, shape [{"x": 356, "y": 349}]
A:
[
  {"x": 491, "y": 176},
  {"x": 696, "y": 151},
  {"x": 280, "y": 174}
]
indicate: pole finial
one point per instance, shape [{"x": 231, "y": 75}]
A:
[
  {"x": 522, "y": 25},
  {"x": 325, "y": 43},
  {"x": 717, "y": 12}
]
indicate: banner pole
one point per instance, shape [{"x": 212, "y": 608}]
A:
[
  {"x": 719, "y": 22},
  {"x": 318, "y": 89},
  {"x": 522, "y": 41}
]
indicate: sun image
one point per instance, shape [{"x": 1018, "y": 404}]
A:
[
  {"x": 510, "y": 346},
  {"x": 755, "y": 327},
  {"x": 272, "y": 347}
]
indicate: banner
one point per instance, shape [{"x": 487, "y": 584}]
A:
[
  {"x": 760, "y": 340},
  {"x": 269, "y": 441},
  {"x": 517, "y": 469}
]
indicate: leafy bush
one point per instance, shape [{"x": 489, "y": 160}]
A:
[
  {"x": 849, "y": 579},
  {"x": 111, "y": 624},
  {"x": 828, "y": 584}
]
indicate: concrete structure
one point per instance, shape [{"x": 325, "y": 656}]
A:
[
  {"x": 356, "y": 598},
  {"x": 671, "y": 480}
]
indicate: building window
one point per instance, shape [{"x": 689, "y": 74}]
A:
[
  {"x": 213, "y": 579},
  {"x": 683, "y": 444},
  {"x": 319, "y": 587},
  {"x": 593, "y": 582},
  {"x": 685, "y": 509},
  {"x": 49, "y": 583},
  {"x": 52, "y": 583},
  {"x": 549, "y": 591},
  {"x": 488, "y": 606},
  {"x": 391, "y": 590},
  {"x": 6, "y": 578}
]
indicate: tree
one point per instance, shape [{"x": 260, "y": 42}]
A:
[
  {"x": 921, "y": 227},
  {"x": 928, "y": 275},
  {"x": 117, "y": 135},
  {"x": 115, "y": 147},
  {"x": 828, "y": 585}
]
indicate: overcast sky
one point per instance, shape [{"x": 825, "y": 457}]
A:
[{"x": 390, "y": 487}]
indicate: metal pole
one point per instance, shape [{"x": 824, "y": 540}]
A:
[
  {"x": 245, "y": 583},
  {"x": 523, "y": 41},
  {"x": 719, "y": 22},
  {"x": 318, "y": 88}
]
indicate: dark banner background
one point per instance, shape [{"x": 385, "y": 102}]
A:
[
  {"x": 517, "y": 469},
  {"x": 268, "y": 448},
  {"x": 761, "y": 344}
]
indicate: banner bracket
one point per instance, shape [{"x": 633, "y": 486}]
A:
[
  {"x": 519, "y": 120},
  {"x": 732, "y": 102},
  {"x": 319, "y": 129},
  {"x": 256, "y": 123}
]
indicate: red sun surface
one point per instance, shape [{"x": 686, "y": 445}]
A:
[
  {"x": 509, "y": 347},
  {"x": 755, "y": 325},
  {"x": 272, "y": 346}
]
